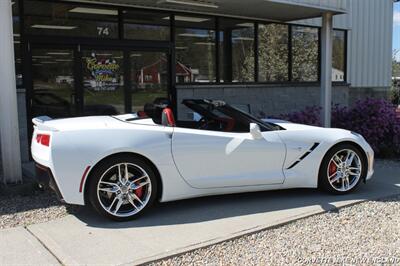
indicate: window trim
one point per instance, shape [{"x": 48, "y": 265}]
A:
[
  {"x": 289, "y": 54},
  {"x": 344, "y": 81},
  {"x": 171, "y": 41},
  {"x": 318, "y": 56}
]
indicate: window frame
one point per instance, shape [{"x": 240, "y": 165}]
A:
[
  {"x": 118, "y": 20},
  {"x": 174, "y": 29},
  {"x": 217, "y": 61},
  {"x": 292, "y": 26},
  {"x": 289, "y": 54},
  {"x": 344, "y": 81}
]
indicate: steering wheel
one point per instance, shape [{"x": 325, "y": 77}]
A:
[
  {"x": 203, "y": 123},
  {"x": 211, "y": 124}
]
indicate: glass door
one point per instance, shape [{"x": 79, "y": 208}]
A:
[
  {"x": 53, "y": 82},
  {"x": 103, "y": 82},
  {"x": 96, "y": 81},
  {"x": 148, "y": 78}
]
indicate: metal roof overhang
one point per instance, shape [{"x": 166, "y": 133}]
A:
[{"x": 269, "y": 10}]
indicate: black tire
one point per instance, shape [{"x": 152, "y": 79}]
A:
[
  {"x": 105, "y": 166},
  {"x": 323, "y": 181}
]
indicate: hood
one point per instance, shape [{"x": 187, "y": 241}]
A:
[{"x": 291, "y": 126}]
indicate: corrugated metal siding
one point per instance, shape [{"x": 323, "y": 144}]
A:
[
  {"x": 370, "y": 43},
  {"x": 340, "y": 5},
  {"x": 369, "y": 56},
  {"x": 339, "y": 21}
]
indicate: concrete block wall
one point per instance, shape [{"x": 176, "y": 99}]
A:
[
  {"x": 361, "y": 93},
  {"x": 263, "y": 99}
]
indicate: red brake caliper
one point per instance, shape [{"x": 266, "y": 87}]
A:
[
  {"x": 139, "y": 191},
  {"x": 332, "y": 168}
]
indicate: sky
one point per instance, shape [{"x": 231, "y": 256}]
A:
[{"x": 396, "y": 28}]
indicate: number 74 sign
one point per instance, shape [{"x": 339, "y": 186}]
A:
[{"x": 103, "y": 31}]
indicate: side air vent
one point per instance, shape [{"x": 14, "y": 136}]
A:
[{"x": 303, "y": 156}]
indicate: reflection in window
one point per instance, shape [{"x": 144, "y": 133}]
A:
[
  {"x": 237, "y": 49},
  {"x": 273, "y": 53},
  {"x": 149, "y": 78},
  {"x": 17, "y": 43},
  {"x": 305, "y": 54},
  {"x": 195, "y": 49},
  {"x": 141, "y": 25},
  {"x": 103, "y": 82},
  {"x": 44, "y": 18},
  {"x": 338, "y": 55},
  {"x": 53, "y": 83}
]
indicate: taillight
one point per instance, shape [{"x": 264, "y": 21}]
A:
[{"x": 43, "y": 139}]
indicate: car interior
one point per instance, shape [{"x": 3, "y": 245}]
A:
[{"x": 213, "y": 115}]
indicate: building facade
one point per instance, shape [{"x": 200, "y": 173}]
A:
[{"x": 85, "y": 57}]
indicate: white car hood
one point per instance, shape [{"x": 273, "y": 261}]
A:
[{"x": 291, "y": 126}]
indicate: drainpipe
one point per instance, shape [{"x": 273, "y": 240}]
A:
[
  {"x": 326, "y": 68},
  {"x": 9, "y": 130}
]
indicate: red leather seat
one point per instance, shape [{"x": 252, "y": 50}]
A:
[
  {"x": 167, "y": 118},
  {"x": 141, "y": 114}
]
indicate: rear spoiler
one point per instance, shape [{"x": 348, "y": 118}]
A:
[{"x": 40, "y": 122}]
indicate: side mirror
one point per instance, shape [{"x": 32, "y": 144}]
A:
[{"x": 255, "y": 131}]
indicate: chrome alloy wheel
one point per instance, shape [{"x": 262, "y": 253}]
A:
[
  {"x": 344, "y": 170},
  {"x": 124, "y": 189}
]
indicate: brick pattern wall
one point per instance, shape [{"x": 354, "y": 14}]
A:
[
  {"x": 263, "y": 99},
  {"x": 360, "y": 93}
]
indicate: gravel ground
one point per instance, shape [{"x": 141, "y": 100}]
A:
[
  {"x": 367, "y": 233},
  {"x": 363, "y": 234},
  {"x": 39, "y": 207}
]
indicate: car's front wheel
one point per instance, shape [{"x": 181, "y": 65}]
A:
[
  {"x": 342, "y": 169},
  {"x": 122, "y": 187}
]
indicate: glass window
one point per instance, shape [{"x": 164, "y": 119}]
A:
[
  {"x": 103, "y": 82},
  {"x": 237, "y": 50},
  {"x": 338, "y": 55},
  {"x": 44, "y": 18},
  {"x": 149, "y": 78},
  {"x": 53, "y": 83},
  {"x": 142, "y": 25},
  {"x": 17, "y": 43},
  {"x": 273, "y": 52},
  {"x": 305, "y": 43},
  {"x": 195, "y": 49}
]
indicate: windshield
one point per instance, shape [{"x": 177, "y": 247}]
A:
[{"x": 217, "y": 115}]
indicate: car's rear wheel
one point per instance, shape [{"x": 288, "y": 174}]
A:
[
  {"x": 122, "y": 187},
  {"x": 342, "y": 169}
]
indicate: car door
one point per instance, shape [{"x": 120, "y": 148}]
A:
[{"x": 211, "y": 159}]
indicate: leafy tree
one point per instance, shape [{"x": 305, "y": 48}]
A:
[
  {"x": 273, "y": 52},
  {"x": 395, "y": 91},
  {"x": 305, "y": 54},
  {"x": 243, "y": 54},
  {"x": 395, "y": 64}
]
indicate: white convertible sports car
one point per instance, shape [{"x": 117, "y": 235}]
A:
[{"x": 122, "y": 164}]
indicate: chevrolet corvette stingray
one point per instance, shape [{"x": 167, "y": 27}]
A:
[{"x": 122, "y": 164}]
